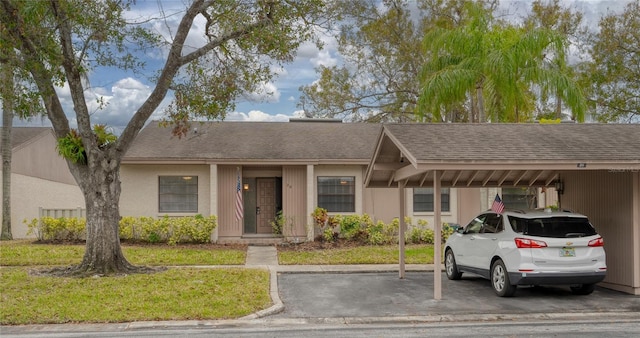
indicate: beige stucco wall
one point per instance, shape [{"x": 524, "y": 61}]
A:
[
  {"x": 28, "y": 194},
  {"x": 139, "y": 195},
  {"x": 611, "y": 201}
]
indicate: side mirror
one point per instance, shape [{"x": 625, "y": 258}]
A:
[{"x": 460, "y": 230}]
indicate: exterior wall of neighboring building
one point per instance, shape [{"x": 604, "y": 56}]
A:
[
  {"x": 40, "y": 179},
  {"x": 29, "y": 194},
  {"x": 140, "y": 188},
  {"x": 611, "y": 201}
]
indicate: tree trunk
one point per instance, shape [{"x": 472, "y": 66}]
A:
[
  {"x": 481, "y": 115},
  {"x": 103, "y": 255},
  {"x": 7, "y": 124},
  {"x": 558, "y": 107}
]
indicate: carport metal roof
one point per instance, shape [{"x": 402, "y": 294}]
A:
[{"x": 493, "y": 155}]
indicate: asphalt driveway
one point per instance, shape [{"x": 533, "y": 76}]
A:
[{"x": 330, "y": 295}]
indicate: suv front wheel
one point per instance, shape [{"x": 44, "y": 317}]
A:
[
  {"x": 450, "y": 266},
  {"x": 500, "y": 280}
]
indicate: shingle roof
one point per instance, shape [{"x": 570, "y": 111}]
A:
[
  {"x": 258, "y": 141},
  {"x": 20, "y": 135},
  {"x": 481, "y": 155},
  {"x": 513, "y": 142}
]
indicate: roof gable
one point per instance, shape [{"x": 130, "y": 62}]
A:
[{"x": 22, "y": 136}]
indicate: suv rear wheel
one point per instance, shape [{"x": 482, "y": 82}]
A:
[
  {"x": 500, "y": 280},
  {"x": 450, "y": 266}
]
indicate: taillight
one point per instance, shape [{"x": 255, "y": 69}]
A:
[
  {"x": 526, "y": 243},
  {"x": 596, "y": 242}
]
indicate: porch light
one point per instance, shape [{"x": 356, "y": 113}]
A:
[
  {"x": 245, "y": 186},
  {"x": 559, "y": 185},
  {"x": 186, "y": 178}
]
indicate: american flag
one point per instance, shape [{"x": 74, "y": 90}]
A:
[
  {"x": 239, "y": 203},
  {"x": 497, "y": 205}
]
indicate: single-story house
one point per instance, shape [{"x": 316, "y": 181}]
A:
[
  {"x": 596, "y": 168},
  {"x": 40, "y": 178},
  {"x": 291, "y": 167}
]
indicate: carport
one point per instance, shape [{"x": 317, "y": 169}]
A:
[{"x": 595, "y": 166}]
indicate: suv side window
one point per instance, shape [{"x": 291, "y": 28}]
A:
[
  {"x": 475, "y": 225},
  {"x": 492, "y": 224}
]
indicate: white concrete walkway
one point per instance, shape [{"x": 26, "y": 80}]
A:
[{"x": 262, "y": 256}]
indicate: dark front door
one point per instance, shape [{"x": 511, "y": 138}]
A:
[{"x": 266, "y": 204}]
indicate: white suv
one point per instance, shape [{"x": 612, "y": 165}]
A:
[{"x": 528, "y": 248}]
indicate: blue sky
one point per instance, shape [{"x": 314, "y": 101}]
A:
[{"x": 125, "y": 91}]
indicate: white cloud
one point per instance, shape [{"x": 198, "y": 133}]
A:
[
  {"x": 256, "y": 116},
  {"x": 266, "y": 92}
]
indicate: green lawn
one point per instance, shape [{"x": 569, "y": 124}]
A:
[
  {"x": 26, "y": 253},
  {"x": 175, "y": 294},
  {"x": 367, "y": 254}
]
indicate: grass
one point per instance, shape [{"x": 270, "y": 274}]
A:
[
  {"x": 26, "y": 253},
  {"x": 384, "y": 254},
  {"x": 175, "y": 294}
]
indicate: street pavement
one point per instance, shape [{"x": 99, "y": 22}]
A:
[{"x": 375, "y": 294}]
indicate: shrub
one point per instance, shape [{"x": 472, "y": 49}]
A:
[
  {"x": 57, "y": 229},
  {"x": 352, "y": 227},
  {"x": 197, "y": 229},
  {"x": 382, "y": 233},
  {"x": 277, "y": 224}
]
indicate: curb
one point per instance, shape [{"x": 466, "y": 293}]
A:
[{"x": 277, "y": 306}]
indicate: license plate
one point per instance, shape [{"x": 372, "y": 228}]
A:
[{"x": 567, "y": 252}]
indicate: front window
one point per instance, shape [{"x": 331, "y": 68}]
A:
[
  {"x": 520, "y": 198},
  {"x": 423, "y": 199},
  {"x": 178, "y": 193},
  {"x": 337, "y": 194}
]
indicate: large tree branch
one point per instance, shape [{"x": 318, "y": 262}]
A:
[
  {"x": 74, "y": 78},
  {"x": 175, "y": 60},
  {"x": 38, "y": 71}
]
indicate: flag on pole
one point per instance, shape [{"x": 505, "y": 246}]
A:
[
  {"x": 239, "y": 203},
  {"x": 497, "y": 205}
]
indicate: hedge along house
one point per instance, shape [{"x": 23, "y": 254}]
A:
[{"x": 596, "y": 168}]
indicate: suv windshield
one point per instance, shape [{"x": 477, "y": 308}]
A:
[{"x": 557, "y": 227}]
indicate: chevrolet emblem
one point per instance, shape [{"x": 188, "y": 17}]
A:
[{"x": 569, "y": 243}]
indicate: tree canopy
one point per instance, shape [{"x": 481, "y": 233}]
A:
[
  {"x": 527, "y": 66},
  {"x": 58, "y": 43},
  {"x": 613, "y": 73}
]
